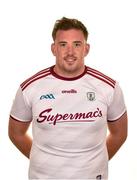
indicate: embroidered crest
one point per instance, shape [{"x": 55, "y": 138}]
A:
[{"x": 91, "y": 96}]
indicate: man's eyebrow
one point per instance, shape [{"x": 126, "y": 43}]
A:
[
  {"x": 60, "y": 42},
  {"x": 77, "y": 42},
  {"x": 73, "y": 42}
]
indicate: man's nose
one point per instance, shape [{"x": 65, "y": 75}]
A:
[{"x": 70, "y": 49}]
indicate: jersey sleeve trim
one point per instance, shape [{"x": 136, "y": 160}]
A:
[
  {"x": 118, "y": 117},
  {"x": 35, "y": 77},
  {"x": 101, "y": 77},
  {"x": 19, "y": 120}
]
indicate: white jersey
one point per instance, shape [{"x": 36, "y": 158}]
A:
[{"x": 69, "y": 122}]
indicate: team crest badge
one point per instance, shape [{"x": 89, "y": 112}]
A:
[{"x": 91, "y": 96}]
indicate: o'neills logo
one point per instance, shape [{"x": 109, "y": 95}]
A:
[
  {"x": 77, "y": 117},
  {"x": 69, "y": 91}
]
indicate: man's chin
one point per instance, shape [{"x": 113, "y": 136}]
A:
[
  {"x": 70, "y": 63},
  {"x": 71, "y": 69}
]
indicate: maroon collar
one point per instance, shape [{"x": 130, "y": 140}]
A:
[{"x": 65, "y": 78}]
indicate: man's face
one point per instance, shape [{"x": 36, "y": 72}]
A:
[{"x": 70, "y": 48}]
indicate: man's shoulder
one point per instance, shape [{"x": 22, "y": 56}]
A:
[
  {"x": 37, "y": 76},
  {"x": 99, "y": 76}
]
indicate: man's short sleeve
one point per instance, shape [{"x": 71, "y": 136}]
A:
[
  {"x": 20, "y": 110},
  {"x": 117, "y": 106}
]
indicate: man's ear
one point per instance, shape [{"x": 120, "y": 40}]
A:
[
  {"x": 87, "y": 48},
  {"x": 53, "y": 49}
]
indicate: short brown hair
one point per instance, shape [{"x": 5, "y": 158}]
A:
[{"x": 66, "y": 24}]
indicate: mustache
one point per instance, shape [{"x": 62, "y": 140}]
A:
[{"x": 70, "y": 56}]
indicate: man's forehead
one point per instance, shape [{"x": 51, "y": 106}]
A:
[{"x": 74, "y": 34}]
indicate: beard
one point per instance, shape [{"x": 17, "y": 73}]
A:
[{"x": 71, "y": 65}]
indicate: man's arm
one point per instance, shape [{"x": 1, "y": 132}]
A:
[
  {"x": 18, "y": 135},
  {"x": 117, "y": 135}
]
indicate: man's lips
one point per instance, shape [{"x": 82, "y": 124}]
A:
[{"x": 70, "y": 59}]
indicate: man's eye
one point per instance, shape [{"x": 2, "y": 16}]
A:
[
  {"x": 77, "y": 44},
  {"x": 62, "y": 44}
]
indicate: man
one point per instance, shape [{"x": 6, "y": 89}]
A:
[{"x": 70, "y": 106}]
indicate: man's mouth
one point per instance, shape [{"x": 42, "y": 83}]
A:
[{"x": 70, "y": 59}]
